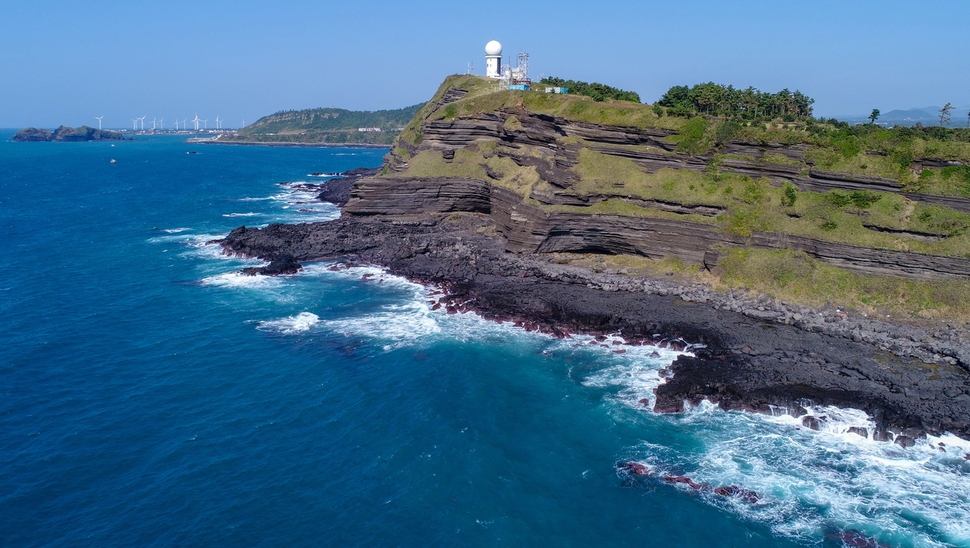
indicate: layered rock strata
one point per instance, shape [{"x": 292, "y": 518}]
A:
[
  {"x": 655, "y": 152},
  {"x": 529, "y": 229}
]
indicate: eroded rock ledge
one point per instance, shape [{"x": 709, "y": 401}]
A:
[{"x": 759, "y": 354}]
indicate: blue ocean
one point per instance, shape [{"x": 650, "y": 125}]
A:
[{"x": 150, "y": 395}]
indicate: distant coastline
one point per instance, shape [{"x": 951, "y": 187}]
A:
[{"x": 285, "y": 144}]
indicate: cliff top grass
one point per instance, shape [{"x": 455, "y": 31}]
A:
[
  {"x": 618, "y": 185},
  {"x": 756, "y": 205},
  {"x": 795, "y": 277},
  {"x": 831, "y": 145}
]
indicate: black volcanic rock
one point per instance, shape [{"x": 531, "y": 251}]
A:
[
  {"x": 282, "y": 264},
  {"x": 337, "y": 191},
  {"x": 749, "y": 363}
]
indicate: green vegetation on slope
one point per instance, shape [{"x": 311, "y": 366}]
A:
[
  {"x": 926, "y": 160},
  {"x": 329, "y": 125},
  {"x": 595, "y": 90},
  {"x": 796, "y": 277},
  {"x": 727, "y": 101},
  {"x": 864, "y": 218},
  {"x": 330, "y": 119}
]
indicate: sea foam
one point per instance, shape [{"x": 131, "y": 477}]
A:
[
  {"x": 811, "y": 482},
  {"x": 291, "y": 325}
]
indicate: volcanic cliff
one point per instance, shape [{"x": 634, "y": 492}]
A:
[{"x": 492, "y": 195}]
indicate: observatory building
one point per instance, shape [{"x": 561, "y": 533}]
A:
[{"x": 493, "y": 59}]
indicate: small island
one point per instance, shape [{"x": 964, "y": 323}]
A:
[{"x": 64, "y": 133}]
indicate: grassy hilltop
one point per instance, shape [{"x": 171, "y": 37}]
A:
[
  {"x": 327, "y": 125},
  {"x": 710, "y": 134}
]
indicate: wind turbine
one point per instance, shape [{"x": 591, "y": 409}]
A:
[
  {"x": 134, "y": 124},
  {"x": 160, "y": 125},
  {"x": 183, "y": 123},
  {"x": 142, "y": 122},
  {"x": 98, "y": 118},
  {"x": 218, "y": 123},
  {"x": 196, "y": 122},
  {"x": 153, "y": 123},
  {"x": 205, "y": 124}
]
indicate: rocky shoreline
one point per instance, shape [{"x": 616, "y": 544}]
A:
[{"x": 750, "y": 353}]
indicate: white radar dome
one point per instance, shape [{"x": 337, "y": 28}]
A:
[{"x": 493, "y": 48}]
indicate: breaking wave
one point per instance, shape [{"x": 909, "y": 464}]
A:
[{"x": 291, "y": 325}]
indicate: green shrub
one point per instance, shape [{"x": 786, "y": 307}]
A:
[
  {"x": 848, "y": 145},
  {"x": 863, "y": 199},
  {"x": 680, "y": 110},
  {"x": 754, "y": 192},
  {"x": 789, "y": 196},
  {"x": 961, "y": 172},
  {"x": 725, "y": 132},
  {"x": 692, "y": 136},
  {"x": 902, "y": 157},
  {"x": 599, "y": 92}
]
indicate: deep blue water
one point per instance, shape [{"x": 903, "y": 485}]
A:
[{"x": 149, "y": 395}]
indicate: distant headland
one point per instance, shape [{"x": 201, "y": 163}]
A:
[
  {"x": 325, "y": 127},
  {"x": 64, "y": 133}
]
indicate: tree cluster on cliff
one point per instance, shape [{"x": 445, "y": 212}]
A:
[
  {"x": 727, "y": 101},
  {"x": 599, "y": 92}
]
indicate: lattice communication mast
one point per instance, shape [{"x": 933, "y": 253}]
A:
[{"x": 520, "y": 75}]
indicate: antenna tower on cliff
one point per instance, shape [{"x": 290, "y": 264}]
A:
[{"x": 521, "y": 72}]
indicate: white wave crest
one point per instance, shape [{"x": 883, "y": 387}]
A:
[
  {"x": 811, "y": 483},
  {"x": 397, "y": 326},
  {"x": 635, "y": 374},
  {"x": 291, "y": 325},
  {"x": 234, "y": 280}
]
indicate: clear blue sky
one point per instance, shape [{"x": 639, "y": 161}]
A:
[{"x": 64, "y": 62}]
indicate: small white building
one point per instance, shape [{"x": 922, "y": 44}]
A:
[{"x": 493, "y": 59}]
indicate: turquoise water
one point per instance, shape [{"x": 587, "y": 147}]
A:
[{"x": 149, "y": 395}]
